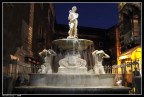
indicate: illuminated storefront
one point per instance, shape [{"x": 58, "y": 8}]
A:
[{"x": 128, "y": 58}]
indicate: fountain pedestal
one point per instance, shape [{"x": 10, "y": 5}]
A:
[
  {"x": 72, "y": 80},
  {"x": 72, "y": 63},
  {"x": 72, "y": 76},
  {"x": 72, "y": 70},
  {"x": 81, "y": 70}
]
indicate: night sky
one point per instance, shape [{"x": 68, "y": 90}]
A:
[{"x": 95, "y": 15}]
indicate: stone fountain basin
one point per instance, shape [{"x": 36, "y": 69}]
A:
[
  {"x": 71, "y": 80},
  {"x": 69, "y": 44}
]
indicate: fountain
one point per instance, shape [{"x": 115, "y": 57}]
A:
[{"x": 72, "y": 75}]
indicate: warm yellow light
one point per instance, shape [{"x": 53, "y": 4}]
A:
[
  {"x": 123, "y": 57},
  {"x": 119, "y": 71},
  {"x": 136, "y": 54}
]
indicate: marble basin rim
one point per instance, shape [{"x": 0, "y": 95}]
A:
[{"x": 69, "y": 44}]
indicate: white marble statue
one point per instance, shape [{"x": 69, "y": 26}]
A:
[
  {"x": 73, "y": 22},
  {"x": 98, "y": 56},
  {"x": 42, "y": 69},
  {"x": 48, "y": 57},
  {"x": 72, "y": 61}
]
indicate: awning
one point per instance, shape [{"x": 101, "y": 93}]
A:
[{"x": 132, "y": 53}]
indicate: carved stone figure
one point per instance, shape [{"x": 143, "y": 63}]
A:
[
  {"x": 73, "y": 22},
  {"x": 72, "y": 63},
  {"x": 42, "y": 69},
  {"x": 98, "y": 56},
  {"x": 48, "y": 56}
]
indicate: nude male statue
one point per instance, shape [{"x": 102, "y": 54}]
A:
[
  {"x": 98, "y": 56},
  {"x": 47, "y": 55}
]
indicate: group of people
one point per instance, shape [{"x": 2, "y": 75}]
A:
[{"x": 128, "y": 78}]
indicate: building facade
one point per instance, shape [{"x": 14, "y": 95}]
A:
[
  {"x": 129, "y": 29},
  {"x": 27, "y": 30}
]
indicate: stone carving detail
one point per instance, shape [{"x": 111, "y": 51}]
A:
[
  {"x": 47, "y": 55},
  {"x": 72, "y": 61}
]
